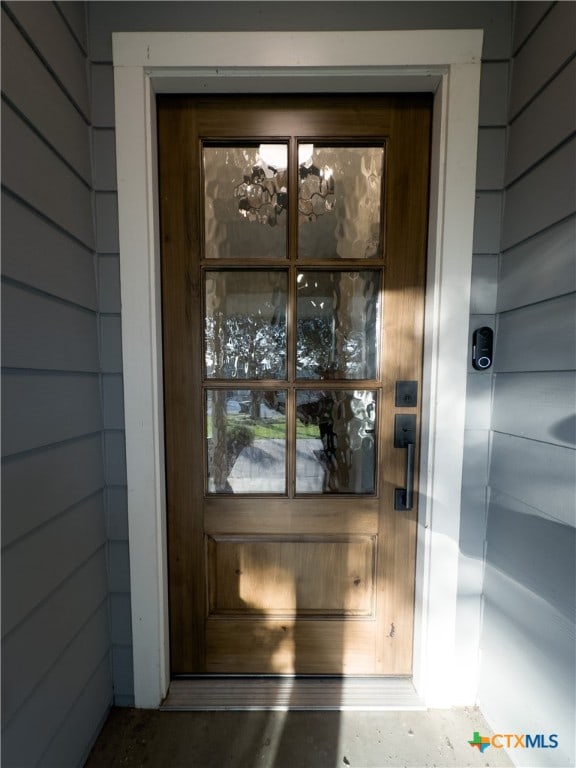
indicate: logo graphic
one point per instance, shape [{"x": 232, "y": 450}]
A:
[
  {"x": 515, "y": 741},
  {"x": 481, "y": 742}
]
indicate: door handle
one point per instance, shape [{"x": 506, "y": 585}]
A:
[{"x": 405, "y": 437}]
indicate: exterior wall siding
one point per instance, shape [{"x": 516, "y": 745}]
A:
[
  {"x": 495, "y": 19},
  {"x": 527, "y": 647},
  {"x": 57, "y": 685}
]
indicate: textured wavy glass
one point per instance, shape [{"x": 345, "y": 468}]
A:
[
  {"x": 246, "y": 441},
  {"x": 245, "y": 324},
  {"x": 337, "y": 324},
  {"x": 245, "y": 202},
  {"x": 337, "y": 453},
  {"x": 339, "y": 202}
]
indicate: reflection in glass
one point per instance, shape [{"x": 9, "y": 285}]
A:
[
  {"x": 337, "y": 328},
  {"x": 336, "y": 452},
  {"x": 245, "y": 324},
  {"x": 245, "y": 201},
  {"x": 246, "y": 441},
  {"x": 339, "y": 202}
]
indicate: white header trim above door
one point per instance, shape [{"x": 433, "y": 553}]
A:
[
  {"x": 444, "y": 62},
  {"x": 414, "y": 48}
]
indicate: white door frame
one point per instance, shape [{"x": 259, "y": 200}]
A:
[{"x": 446, "y": 62}]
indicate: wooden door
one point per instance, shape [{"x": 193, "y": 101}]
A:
[{"x": 293, "y": 267}]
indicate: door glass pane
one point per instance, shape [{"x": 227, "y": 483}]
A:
[
  {"x": 245, "y": 441},
  {"x": 335, "y": 442},
  {"x": 245, "y": 324},
  {"x": 245, "y": 201},
  {"x": 339, "y": 202},
  {"x": 337, "y": 328}
]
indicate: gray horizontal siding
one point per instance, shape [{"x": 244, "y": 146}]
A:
[
  {"x": 543, "y": 54},
  {"x": 123, "y": 670},
  {"x": 528, "y": 616},
  {"x": 42, "y": 256},
  {"x": 56, "y": 640},
  {"x": 111, "y": 343},
  {"x": 493, "y": 93},
  {"x": 106, "y": 208},
  {"x": 45, "y": 28},
  {"x": 539, "y": 406},
  {"x": 104, "y": 148},
  {"x": 115, "y": 457},
  {"x": 107, "y": 239},
  {"x": 541, "y": 198},
  {"x": 473, "y": 518},
  {"x": 541, "y": 268},
  {"x": 38, "y": 485},
  {"x": 109, "y": 284},
  {"x": 483, "y": 293},
  {"x": 40, "y": 562},
  {"x": 118, "y": 566},
  {"x": 551, "y": 544},
  {"x": 491, "y": 157},
  {"x": 540, "y": 475},
  {"x": 484, "y": 284},
  {"x": 478, "y": 400},
  {"x": 527, "y": 15},
  {"x": 539, "y": 337},
  {"x": 556, "y": 118},
  {"x": 475, "y": 471},
  {"x": 56, "y": 621},
  {"x": 528, "y": 637},
  {"x": 45, "y": 408},
  {"x": 493, "y": 17},
  {"x": 45, "y": 105},
  {"x": 75, "y": 15},
  {"x": 34, "y": 172},
  {"x": 119, "y": 576},
  {"x": 487, "y": 222},
  {"x": 120, "y": 619},
  {"x": 519, "y": 620},
  {"x": 117, "y": 513},
  {"x": 102, "y": 89},
  {"x": 41, "y": 717},
  {"x": 113, "y": 401},
  {"x": 45, "y": 333},
  {"x": 73, "y": 740}
]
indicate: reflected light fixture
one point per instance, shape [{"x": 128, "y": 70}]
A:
[{"x": 263, "y": 194}]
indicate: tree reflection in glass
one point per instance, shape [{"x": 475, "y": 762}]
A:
[
  {"x": 245, "y": 324},
  {"x": 245, "y": 441},
  {"x": 337, "y": 328},
  {"x": 336, "y": 454}
]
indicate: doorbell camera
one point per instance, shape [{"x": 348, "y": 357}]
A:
[{"x": 482, "y": 344}]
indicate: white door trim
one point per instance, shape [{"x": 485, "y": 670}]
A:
[{"x": 445, "y": 62}]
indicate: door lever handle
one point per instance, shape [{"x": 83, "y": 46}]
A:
[{"x": 405, "y": 437}]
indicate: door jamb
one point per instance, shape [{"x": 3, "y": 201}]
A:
[{"x": 446, "y": 62}]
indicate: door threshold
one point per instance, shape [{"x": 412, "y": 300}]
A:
[{"x": 285, "y": 693}]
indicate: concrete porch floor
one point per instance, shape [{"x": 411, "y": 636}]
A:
[{"x": 408, "y": 739}]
